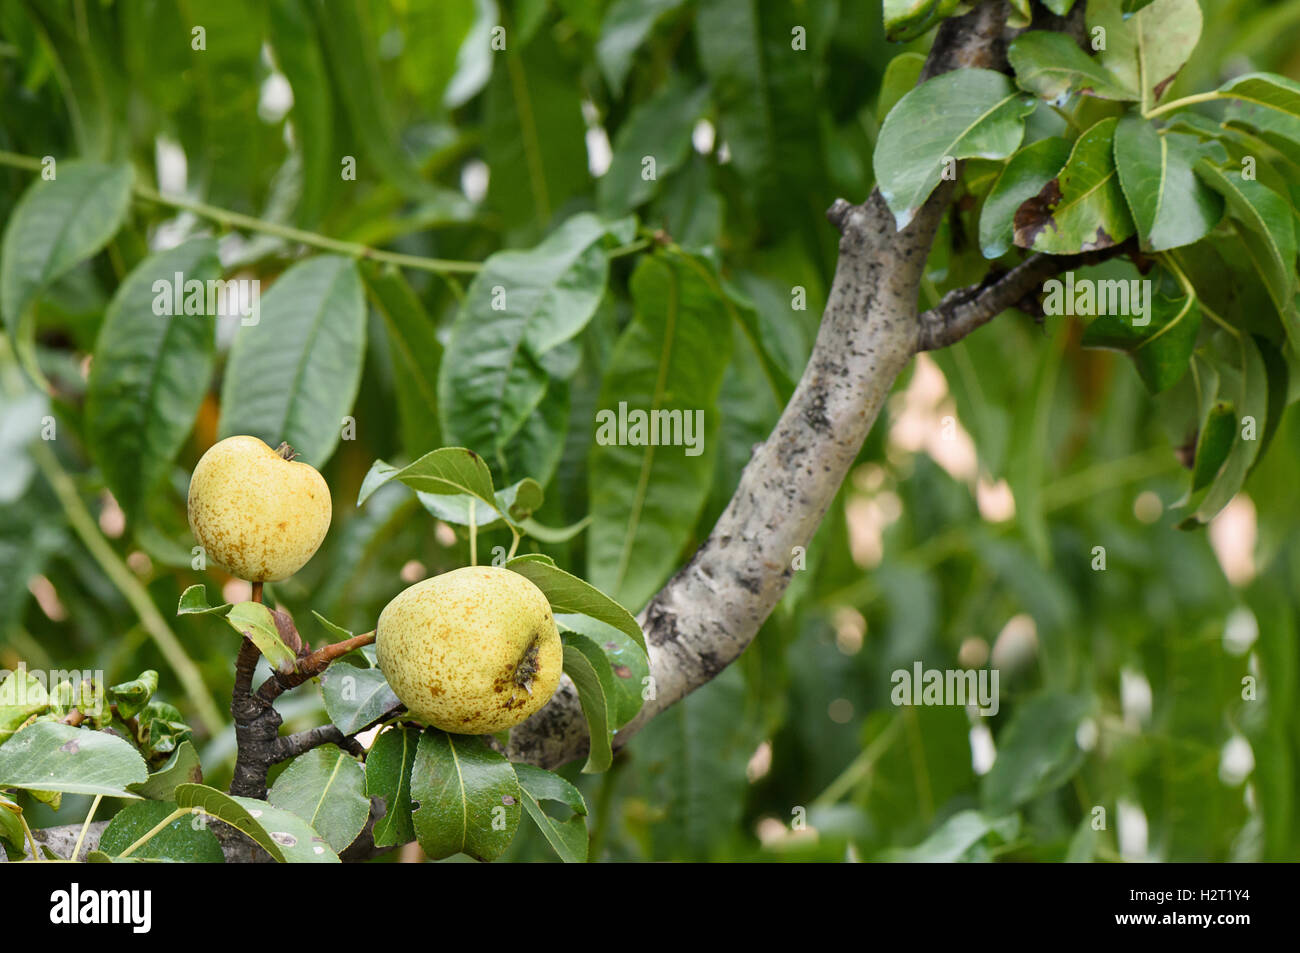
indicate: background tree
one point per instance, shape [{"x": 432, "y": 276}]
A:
[{"x": 480, "y": 226}]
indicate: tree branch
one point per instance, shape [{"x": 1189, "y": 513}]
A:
[
  {"x": 707, "y": 614},
  {"x": 963, "y": 310}
]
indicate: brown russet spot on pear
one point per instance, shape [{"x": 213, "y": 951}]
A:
[
  {"x": 257, "y": 513},
  {"x": 472, "y": 651}
]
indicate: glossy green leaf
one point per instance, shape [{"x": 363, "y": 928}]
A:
[
  {"x": 1169, "y": 204},
  {"x": 150, "y": 373},
  {"x": 569, "y": 594},
  {"x": 131, "y": 697},
  {"x": 514, "y": 503},
  {"x": 293, "y": 375},
  {"x": 1160, "y": 349},
  {"x": 1146, "y": 50},
  {"x": 299, "y": 56},
  {"x": 1266, "y": 224},
  {"x": 902, "y": 73},
  {"x": 467, "y": 797},
  {"x": 452, "y": 471},
  {"x": 627, "y": 660},
  {"x": 520, "y": 309},
  {"x": 645, "y": 499},
  {"x": 356, "y": 697},
  {"x": 57, "y": 224},
  {"x": 181, "y": 768},
  {"x": 955, "y": 838},
  {"x": 966, "y": 114},
  {"x": 908, "y": 19},
  {"x": 1024, "y": 177},
  {"x": 1052, "y": 67},
  {"x": 1213, "y": 443},
  {"x": 326, "y": 788},
  {"x": 568, "y": 837},
  {"x": 182, "y": 841},
  {"x": 254, "y": 621},
  {"x": 286, "y": 837},
  {"x": 194, "y": 601},
  {"x": 49, "y": 756},
  {"x": 388, "y": 776},
  {"x": 1266, "y": 91},
  {"x": 626, "y": 25},
  {"x": 592, "y": 675},
  {"x": 1083, "y": 208}
]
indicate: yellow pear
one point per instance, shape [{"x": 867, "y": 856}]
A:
[
  {"x": 257, "y": 514},
  {"x": 471, "y": 651}
]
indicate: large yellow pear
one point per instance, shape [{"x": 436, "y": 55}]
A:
[
  {"x": 471, "y": 651},
  {"x": 257, "y": 514}
]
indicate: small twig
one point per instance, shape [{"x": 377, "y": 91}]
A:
[
  {"x": 291, "y": 746},
  {"x": 309, "y": 666}
]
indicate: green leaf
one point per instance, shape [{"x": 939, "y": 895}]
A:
[
  {"x": 965, "y": 114},
  {"x": 627, "y": 659},
  {"x": 1036, "y": 751},
  {"x": 450, "y": 470},
  {"x": 517, "y": 313},
  {"x": 627, "y": 24},
  {"x": 1213, "y": 443},
  {"x": 194, "y": 601},
  {"x": 592, "y": 675},
  {"x": 1265, "y": 90},
  {"x": 1145, "y": 51},
  {"x": 293, "y": 375},
  {"x": 416, "y": 351},
  {"x": 467, "y": 794},
  {"x": 356, "y": 697},
  {"x": 131, "y": 697},
  {"x": 57, "y": 224},
  {"x": 299, "y": 56},
  {"x": 658, "y": 129},
  {"x": 254, "y": 621},
  {"x": 287, "y": 838},
  {"x": 1052, "y": 67},
  {"x": 1170, "y": 205},
  {"x": 11, "y": 827},
  {"x": 902, "y": 73},
  {"x": 645, "y": 499},
  {"x": 534, "y": 136},
  {"x": 1024, "y": 177},
  {"x": 181, "y": 841},
  {"x": 150, "y": 373},
  {"x": 22, "y": 695},
  {"x": 1266, "y": 224},
  {"x": 1160, "y": 349},
  {"x": 181, "y": 768},
  {"x": 568, "y": 837},
  {"x": 1244, "y": 382},
  {"x": 326, "y": 788},
  {"x": 516, "y": 502},
  {"x": 569, "y": 594},
  {"x": 953, "y": 840},
  {"x": 388, "y": 776},
  {"x": 49, "y": 756},
  {"x": 908, "y": 19},
  {"x": 1083, "y": 208}
]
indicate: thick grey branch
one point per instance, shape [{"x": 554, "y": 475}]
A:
[{"x": 707, "y": 614}]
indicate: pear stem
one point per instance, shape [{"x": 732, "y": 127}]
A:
[{"x": 257, "y": 592}]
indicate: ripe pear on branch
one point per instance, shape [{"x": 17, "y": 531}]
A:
[
  {"x": 257, "y": 512},
  {"x": 472, "y": 651}
]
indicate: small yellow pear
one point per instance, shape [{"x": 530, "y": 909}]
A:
[
  {"x": 257, "y": 514},
  {"x": 471, "y": 651}
]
